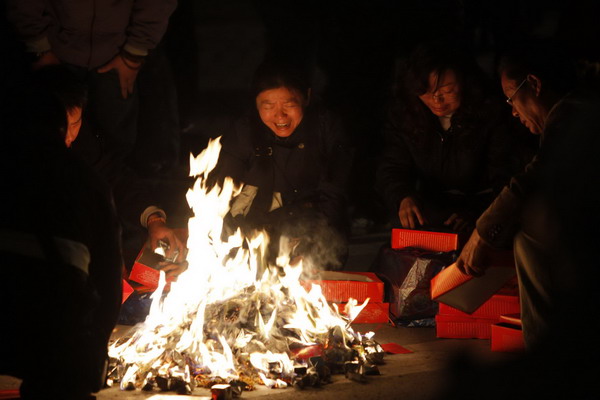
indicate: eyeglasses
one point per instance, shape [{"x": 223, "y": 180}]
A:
[{"x": 509, "y": 100}]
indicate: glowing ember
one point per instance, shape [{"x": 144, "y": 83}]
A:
[{"x": 231, "y": 319}]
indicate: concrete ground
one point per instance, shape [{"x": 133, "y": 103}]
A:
[{"x": 423, "y": 374}]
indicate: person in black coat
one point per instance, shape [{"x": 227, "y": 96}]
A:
[
  {"x": 60, "y": 249},
  {"x": 294, "y": 160},
  {"x": 447, "y": 147}
]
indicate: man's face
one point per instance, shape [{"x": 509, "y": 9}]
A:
[
  {"x": 74, "y": 124},
  {"x": 281, "y": 110},
  {"x": 443, "y": 94},
  {"x": 525, "y": 104}
]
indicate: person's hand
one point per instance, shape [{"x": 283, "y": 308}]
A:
[
  {"x": 47, "y": 58},
  {"x": 473, "y": 257},
  {"x": 127, "y": 71},
  {"x": 459, "y": 223},
  {"x": 158, "y": 230},
  {"x": 173, "y": 270},
  {"x": 410, "y": 213}
]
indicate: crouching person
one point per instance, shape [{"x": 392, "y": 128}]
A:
[{"x": 61, "y": 255}]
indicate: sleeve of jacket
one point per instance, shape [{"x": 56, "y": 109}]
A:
[
  {"x": 149, "y": 21},
  {"x": 395, "y": 177},
  {"x": 499, "y": 223},
  {"x": 29, "y": 21},
  {"x": 131, "y": 195}
]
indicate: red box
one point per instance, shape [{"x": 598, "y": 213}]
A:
[
  {"x": 127, "y": 290},
  {"x": 338, "y": 287},
  {"x": 493, "y": 308},
  {"x": 513, "y": 319},
  {"x": 373, "y": 313},
  {"x": 459, "y": 327},
  {"x": 507, "y": 337},
  {"x": 425, "y": 240},
  {"x": 468, "y": 293},
  {"x": 145, "y": 268}
]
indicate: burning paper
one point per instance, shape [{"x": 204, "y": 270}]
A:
[{"x": 231, "y": 319}]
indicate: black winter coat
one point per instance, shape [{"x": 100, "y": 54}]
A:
[
  {"x": 469, "y": 159},
  {"x": 310, "y": 168}
]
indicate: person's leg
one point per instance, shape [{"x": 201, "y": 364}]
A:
[
  {"x": 158, "y": 144},
  {"x": 112, "y": 117},
  {"x": 49, "y": 343},
  {"x": 534, "y": 287},
  {"x": 547, "y": 278}
]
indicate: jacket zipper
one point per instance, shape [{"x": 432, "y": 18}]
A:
[{"x": 92, "y": 33}]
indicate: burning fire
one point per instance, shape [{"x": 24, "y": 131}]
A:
[{"x": 233, "y": 320}]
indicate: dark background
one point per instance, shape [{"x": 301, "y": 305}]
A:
[
  {"x": 211, "y": 49},
  {"x": 352, "y": 48}
]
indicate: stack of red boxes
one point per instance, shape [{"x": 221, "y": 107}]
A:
[
  {"x": 477, "y": 307},
  {"x": 339, "y": 287},
  {"x": 454, "y": 323}
]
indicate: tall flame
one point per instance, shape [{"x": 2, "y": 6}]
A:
[{"x": 228, "y": 306}]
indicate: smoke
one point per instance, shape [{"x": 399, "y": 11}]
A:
[{"x": 310, "y": 237}]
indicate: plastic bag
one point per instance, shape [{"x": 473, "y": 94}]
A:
[{"x": 407, "y": 274}]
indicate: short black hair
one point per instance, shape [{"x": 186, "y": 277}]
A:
[
  {"x": 63, "y": 83},
  {"x": 273, "y": 75},
  {"x": 545, "y": 58}
]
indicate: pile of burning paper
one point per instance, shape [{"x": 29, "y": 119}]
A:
[{"x": 231, "y": 322}]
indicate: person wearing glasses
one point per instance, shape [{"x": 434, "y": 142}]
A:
[
  {"x": 550, "y": 214},
  {"x": 447, "y": 149}
]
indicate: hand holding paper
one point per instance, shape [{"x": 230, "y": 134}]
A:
[{"x": 474, "y": 255}]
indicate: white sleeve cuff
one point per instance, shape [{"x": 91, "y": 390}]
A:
[
  {"x": 37, "y": 46},
  {"x": 148, "y": 212}
]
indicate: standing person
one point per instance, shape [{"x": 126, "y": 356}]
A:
[
  {"x": 446, "y": 145},
  {"x": 106, "y": 42},
  {"x": 61, "y": 255},
  {"x": 551, "y": 212},
  {"x": 294, "y": 160}
]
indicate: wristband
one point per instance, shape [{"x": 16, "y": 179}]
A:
[{"x": 128, "y": 63}]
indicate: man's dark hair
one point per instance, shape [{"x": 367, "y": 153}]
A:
[{"x": 544, "y": 58}]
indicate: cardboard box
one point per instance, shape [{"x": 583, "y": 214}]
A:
[
  {"x": 373, "y": 313},
  {"x": 338, "y": 287},
  {"x": 425, "y": 240},
  {"x": 468, "y": 293},
  {"x": 127, "y": 291},
  {"x": 459, "y": 327},
  {"x": 507, "y": 337},
  {"x": 494, "y": 308}
]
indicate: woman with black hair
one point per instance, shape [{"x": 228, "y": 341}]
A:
[
  {"x": 294, "y": 160},
  {"x": 447, "y": 149}
]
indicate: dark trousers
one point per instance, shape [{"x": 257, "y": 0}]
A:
[{"x": 49, "y": 338}]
